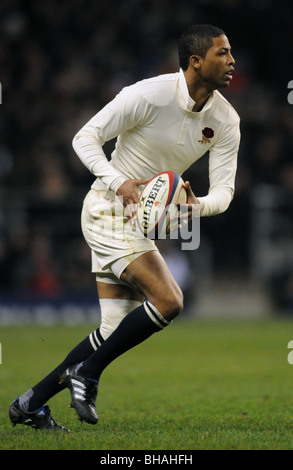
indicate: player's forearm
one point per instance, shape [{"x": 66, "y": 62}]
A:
[
  {"x": 91, "y": 153},
  {"x": 216, "y": 202}
]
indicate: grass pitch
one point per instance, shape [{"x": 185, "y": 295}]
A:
[{"x": 196, "y": 385}]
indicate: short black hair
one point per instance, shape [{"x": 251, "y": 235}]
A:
[{"x": 196, "y": 40}]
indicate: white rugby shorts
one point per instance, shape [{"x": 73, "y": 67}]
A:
[{"x": 113, "y": 240}]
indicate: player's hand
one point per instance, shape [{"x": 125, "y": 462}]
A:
[
  {"x": 129, "y": 192},
  {"x": 191, "y": 208}
]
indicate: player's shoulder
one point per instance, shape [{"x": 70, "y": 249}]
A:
[
  {"x": 225, "y": 109},
  {"x": 157, "y": 90},
  {"x": 164, "y": 80}
]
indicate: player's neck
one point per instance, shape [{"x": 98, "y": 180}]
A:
[{"x": 199, "y": 92}]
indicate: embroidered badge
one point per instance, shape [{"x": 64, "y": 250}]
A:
[{"x": 207, "y": 135}]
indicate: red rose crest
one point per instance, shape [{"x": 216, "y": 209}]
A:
[{"x": 207, "y": 135}]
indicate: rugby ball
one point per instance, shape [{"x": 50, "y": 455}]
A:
[{"x": 156, "y": 208}]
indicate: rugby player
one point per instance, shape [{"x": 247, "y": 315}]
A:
[{"x": 163, "y": 123}]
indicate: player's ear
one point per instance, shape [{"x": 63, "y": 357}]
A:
[{"x": 195, "y": 61}]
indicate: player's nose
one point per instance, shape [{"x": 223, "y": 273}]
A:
[{"x": 231, "y": 60}]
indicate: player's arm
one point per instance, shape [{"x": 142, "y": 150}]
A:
[
  {"x": 88, "y": 145},
  {"x": 121, "y": 114},
  {"x": 222, "y": 171}
]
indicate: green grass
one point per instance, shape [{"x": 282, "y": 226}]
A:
[{"x": 196, "y": 385}]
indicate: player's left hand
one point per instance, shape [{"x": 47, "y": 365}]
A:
[
  {"x": 187, "y": 211},
  {"x": 191, "y": 208}
]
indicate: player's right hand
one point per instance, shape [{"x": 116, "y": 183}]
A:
[{"x": 128, "y": 191}]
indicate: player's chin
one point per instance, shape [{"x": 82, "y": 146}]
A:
[{"x": 224, "y": 83}]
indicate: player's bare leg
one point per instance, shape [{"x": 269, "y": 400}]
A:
[
  {"x": 118, "y": 291},
  {"x": 148, "y": 276}
]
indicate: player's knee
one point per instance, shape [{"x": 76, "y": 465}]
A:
[
  {"x": 177, "y": 305},
  {"x": 172, "y": 305}
]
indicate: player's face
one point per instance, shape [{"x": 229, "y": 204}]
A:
[{"x": 217, "y": 66}]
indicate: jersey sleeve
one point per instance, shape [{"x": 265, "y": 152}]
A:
[
  {"x": 124, "y": 112},
  {"x": 222, "y": 171}
]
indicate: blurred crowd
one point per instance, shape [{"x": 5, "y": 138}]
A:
[{"x": 61, "y": 61}]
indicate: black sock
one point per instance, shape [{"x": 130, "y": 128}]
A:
[
  {"x": 136, "y": 327},
  {"x": 35, "y": 397}
]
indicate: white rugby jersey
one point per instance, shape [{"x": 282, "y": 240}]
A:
[{"x": 157, "y": 130}]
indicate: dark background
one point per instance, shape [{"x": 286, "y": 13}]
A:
[{"x": 61, "y": 61}]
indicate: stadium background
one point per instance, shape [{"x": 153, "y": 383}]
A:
[{"x": 60, "y": 62}]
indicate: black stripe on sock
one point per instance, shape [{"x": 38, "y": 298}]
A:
[{"x": 99, "y": 336}]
